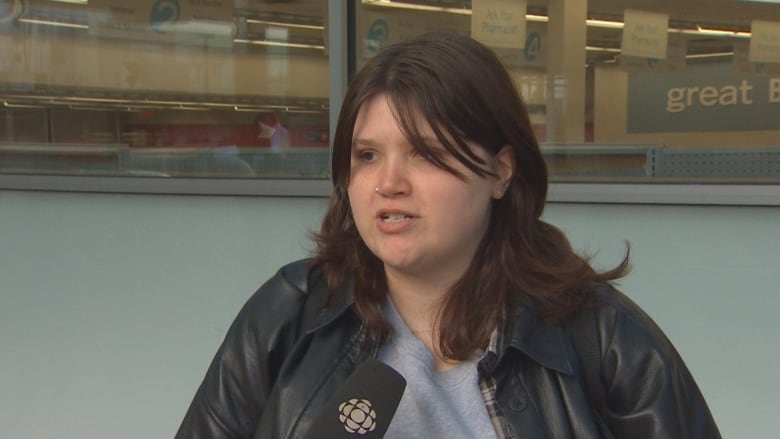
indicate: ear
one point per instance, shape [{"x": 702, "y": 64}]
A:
[{"x": 505, "y": 168}]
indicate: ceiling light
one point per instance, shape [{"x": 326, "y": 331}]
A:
[
  {"x": 279, "y": 23},
  {"x": 401, "y": 5},
  {"x": 606, "y": 24},
  {"x": 7, "y": 105},
  {"x": 279, "y": 44},
  {"x": 537, "y": 18},
  {"x": 602, "y": 49},
  {"x": 54, "y": 23},
  {"x": 713, "y": 32},
  {"x": 709, "y": 55}
]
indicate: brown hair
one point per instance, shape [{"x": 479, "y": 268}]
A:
[{"x": 466, "y": 95}]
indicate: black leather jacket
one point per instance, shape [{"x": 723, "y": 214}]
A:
[{"x": 608, "y": 372}]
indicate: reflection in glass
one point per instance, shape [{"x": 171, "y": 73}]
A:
[
  {"x": 706, "y": 111},
  {"x": 165, "y": 88},
  {"x": 240, "y": 88}
]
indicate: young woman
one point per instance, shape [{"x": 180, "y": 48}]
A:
[{"x": 433, "y": 259}]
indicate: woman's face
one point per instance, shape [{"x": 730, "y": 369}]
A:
[{"x": 417, "y": 218}]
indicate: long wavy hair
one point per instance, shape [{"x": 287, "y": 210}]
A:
[{"x": 465, "y": 94}]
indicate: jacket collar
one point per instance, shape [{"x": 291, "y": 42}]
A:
[
  {"x": 338, "y": 305},
  {"x": 544, "y": 343}
]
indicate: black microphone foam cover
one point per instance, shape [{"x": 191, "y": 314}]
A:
[{"x": 363, "y": 406}]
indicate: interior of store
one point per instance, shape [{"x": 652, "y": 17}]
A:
[{"x": 145, "y": 94}]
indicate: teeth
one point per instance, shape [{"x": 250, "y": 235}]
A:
[{"x": 394, "y": 217}]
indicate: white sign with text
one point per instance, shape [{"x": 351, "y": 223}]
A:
[
  {"x": 644, "y": 34},
  {"x": 499, "y": 23},
  {"x": 764, "y": 41},
  {"x": 675, "y": 61}
]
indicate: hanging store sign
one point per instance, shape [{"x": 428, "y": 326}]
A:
[
  {"x": 675, "y": 60},
  {"x": 706, "y": 97},
  {"x": 644, "y": 34},
  {"x": 764, "y": 41},
  {"x": 499, "y": 23}
]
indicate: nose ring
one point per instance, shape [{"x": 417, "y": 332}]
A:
[{"x": 378, "y": 191}]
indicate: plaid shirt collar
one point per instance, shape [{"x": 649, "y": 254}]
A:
[
  {"x": 487, "y": 384},
  {"x": 544, "y": 343}
]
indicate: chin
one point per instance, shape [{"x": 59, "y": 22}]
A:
[
  {"x": 398, "y": 262},
  {"x": 412, "y": 266}
]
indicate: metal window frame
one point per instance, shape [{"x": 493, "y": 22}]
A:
[{"x": 600, "y": 193}]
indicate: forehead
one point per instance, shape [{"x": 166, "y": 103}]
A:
[{"x": 380, "y": 114}]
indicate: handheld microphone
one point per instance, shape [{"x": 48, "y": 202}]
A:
[{"x": 363, "y": 406}]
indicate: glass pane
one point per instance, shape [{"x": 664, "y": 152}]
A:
[
  {"x": 169, "y": 88},
  {"x": 624, "y": 90}
]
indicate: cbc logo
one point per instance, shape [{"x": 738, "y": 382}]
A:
[{"x": 357, "y": 416}]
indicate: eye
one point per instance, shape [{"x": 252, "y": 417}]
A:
[
  {"x": 366, "y": 155},
  {"x": 431, "y": 154},
  {"x": 425, "y": 155}
]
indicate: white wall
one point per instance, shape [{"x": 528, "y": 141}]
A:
[
  {"x": 111, "y": 306},
  {"x": 710, "y": 276}
]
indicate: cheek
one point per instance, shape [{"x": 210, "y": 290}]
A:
[
  {"x": 361, "y": 184},
  {"x": 474, "y": 206},
  {"x": 354, "y": 184},
  {"x": 472, "y": 195},
  {"x": 357, "y": 201}
]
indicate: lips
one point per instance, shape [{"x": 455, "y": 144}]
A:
[
  {"x": 393, "y": 215},
  {"x": 394, "y": 221}
]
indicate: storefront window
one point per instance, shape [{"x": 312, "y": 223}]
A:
[
  {"x": 625, "y": 90},
  {"x": 166, "y": 88},
  {"x": 619, "y": 91}
]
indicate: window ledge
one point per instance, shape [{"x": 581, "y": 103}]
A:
[
  {"x": 559, "y": 192},
  {"x": 668, "y": 193},
  {"x": 281, "y": 187}
]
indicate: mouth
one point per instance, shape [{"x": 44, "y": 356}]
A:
[{"x": 394, "y": 217}]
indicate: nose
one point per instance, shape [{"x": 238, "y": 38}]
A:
[{"x": 393, "y": 179}]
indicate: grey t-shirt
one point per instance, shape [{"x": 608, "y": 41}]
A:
[{"x": 434, "y": 404}]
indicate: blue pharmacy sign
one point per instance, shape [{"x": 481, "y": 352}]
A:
[
  {"x": 163, "y": 13},
  {"x": 378, "y": 33},
  {"x": 706, "y": 97},
  {"x": 533, "y": 45}
]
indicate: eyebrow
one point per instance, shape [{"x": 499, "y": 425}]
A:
[
  {"x": 364, "y": 142},
  {"x": 430, "y": 141}
]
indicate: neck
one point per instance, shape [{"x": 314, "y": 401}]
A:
[{"x": 419, "y": 302}]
